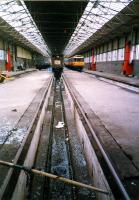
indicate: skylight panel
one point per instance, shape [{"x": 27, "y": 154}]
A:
[
  {"x": 96, "y": 14},
  {"x": 16, "y": 14}
]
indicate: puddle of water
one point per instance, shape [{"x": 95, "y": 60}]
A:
[{"x": 16, "y": 136}]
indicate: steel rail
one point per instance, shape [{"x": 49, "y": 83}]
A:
[{"x": 116, "y": 177}]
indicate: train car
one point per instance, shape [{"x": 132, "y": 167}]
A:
[
  {"x": 75, "y": 62},
  {"x": 43, "y": 66},
  {"x": 57, "y": 66}
]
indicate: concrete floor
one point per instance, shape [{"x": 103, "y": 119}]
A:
[
  {"x": 16, "y": 96},
  {"x": 117, "y": 108}
]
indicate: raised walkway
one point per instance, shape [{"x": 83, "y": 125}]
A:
[{"x": 132, "y": 81}]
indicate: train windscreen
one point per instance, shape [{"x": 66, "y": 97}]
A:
[{"x": 79, "y": 59}]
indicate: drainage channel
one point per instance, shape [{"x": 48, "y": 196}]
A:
[
  {"x": 59, "y": 162},
  {"x": 64, "y": 154}
]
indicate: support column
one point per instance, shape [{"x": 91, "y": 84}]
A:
[
  {"x": 127, "y": 67},
  {"x": 93, "y": 67},
  {"x": 9, "y": 63}
]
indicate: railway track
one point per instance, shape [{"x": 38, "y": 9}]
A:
[
  {"x": 15, "y": 149},
  {"x": 60, "y": 152},
  {"x": 61, "y": 141}
]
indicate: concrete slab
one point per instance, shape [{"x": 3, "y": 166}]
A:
[
  {"x": 15, "y": 98},
  {"x": 118, "y": 110}
]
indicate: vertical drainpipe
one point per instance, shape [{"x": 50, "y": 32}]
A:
[
  {"x": 93, "y": 67},
  {"x": 127, "y": 67}
]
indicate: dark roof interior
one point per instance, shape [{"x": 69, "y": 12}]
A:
[{"x": 56, "y": 20}]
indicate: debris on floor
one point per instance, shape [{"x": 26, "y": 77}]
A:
[
  {"x": 14, "y": 110},
  {"x": 60, "y": 125}
]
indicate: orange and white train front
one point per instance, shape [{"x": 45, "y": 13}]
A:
[{"x": 75, "y": 62}]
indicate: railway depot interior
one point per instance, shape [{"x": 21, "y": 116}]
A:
[{"x": 69, "y": 105}]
